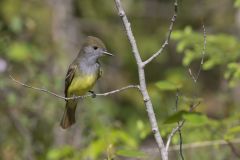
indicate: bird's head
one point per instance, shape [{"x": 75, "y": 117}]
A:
[{"x": 94, "y": 47}]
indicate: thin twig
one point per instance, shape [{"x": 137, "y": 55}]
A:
[
  {"x": 76, "y": 97},
  {"x": 233, "y": 148},
  {"x": 192, "y": 107},
  {"x": 174, "y": 131},
  {"x": 202, "y": 59},
  {"x": 179, "y": 130},
  {"x": 204, "y": 144},
  {"x": 180, "y": 142},
  {"x": 168, "y": 35},
  {"x": 142, "y": 82},
  {"x": 179, "y": 126}
]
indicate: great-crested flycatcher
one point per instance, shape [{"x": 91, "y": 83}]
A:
[{"x": 81, "y": 76}]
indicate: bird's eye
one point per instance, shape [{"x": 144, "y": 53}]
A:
[{"x": 95, "y": 47}]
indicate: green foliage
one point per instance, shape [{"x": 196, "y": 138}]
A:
[
  {"x": 237, "y": 3},
  {"x": 167, "y": 86},
  {"x": 109, "y": 137},
  {"x": 16, "y": 25},
  {"x": 232, "y": 133},
  {"x": 192, "y": 117},
  {"x": 114, "y": 126},
  {"x": 142, "y": 129},
  {"x": 221, "y": 50},
  {"x": 12, "y": 99},
  {"x": 196, "y": 118},
  {"x": 65, "y": 152},
  {"x": 131, "y": 153},
  {"x": 232, "y": 74},
  {"x": 10, "y": 9},
  {"x": 19, "y": 52},
  {"x": 176, "y": 117}
]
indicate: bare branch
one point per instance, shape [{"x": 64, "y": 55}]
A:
[
  {"x": 202, "y": 59},
  {"x": 76, "y": 97},
  {"x": 142, "y": 81},
  {"x": 168, "y": 36}
]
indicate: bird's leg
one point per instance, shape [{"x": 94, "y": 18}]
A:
[
  {"x": 74, "y": 97},
  {"x": 93, "y": 94}
]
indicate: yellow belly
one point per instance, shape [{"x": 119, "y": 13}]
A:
[{"x": 81, "y": 84}]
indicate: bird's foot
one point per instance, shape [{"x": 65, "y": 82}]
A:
[
  {"x": 74, "y": 97},
  {"x": 93, "y": 94}
]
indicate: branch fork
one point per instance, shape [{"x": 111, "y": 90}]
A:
[{"x": 142, "y": 82}]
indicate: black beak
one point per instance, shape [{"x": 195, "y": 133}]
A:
[{"x": 109, "y": 54}]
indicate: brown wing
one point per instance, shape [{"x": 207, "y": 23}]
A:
[
  {"x": 100, "y": 71},
  {"x": 69, "y": 77}
]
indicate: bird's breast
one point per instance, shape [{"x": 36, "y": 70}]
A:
[{"x": 81, "y": 84}]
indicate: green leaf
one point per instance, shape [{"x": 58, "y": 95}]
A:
[
  {"x": 209, "y": 64},
  {"x": 176, "y": 35},
  {"x": 21, "y": 51},
  {"x": 196, "y": 118},
  {"x": 166, "y": 85},
  {"x": 181, "y": 46},
  {"x": 95, "y": 148},
  {"x": 232, "y": 133},
  {"x": 60, "y": 153},
  {"x": 16, "y": 25},
  {"x": 18, "y": 51},
  {"x": 188, "y": 30},
  {"x": 234, "y": 130},
  {"x": 12, "y": 99},
  {"x": 176, "y": 117},
  {"x": 131, "y": 153},
  {"x": 192, "y": 117},
  {"x": 189, "y": 57},
  {"x": 237, "y": 3},
  {"x": 232, "y": 73},
  {"x": 143, "y": 132}
]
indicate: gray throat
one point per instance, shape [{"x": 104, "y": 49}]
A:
[{"x": 88, "y": 65}]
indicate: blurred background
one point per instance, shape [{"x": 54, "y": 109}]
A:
[{"x": 39, "y": 39}]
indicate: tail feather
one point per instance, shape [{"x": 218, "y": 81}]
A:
[{"x": 68, "y": 118}]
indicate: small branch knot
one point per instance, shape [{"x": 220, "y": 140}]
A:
[
  {"x": 146, "y": 100},
  {"x": 174, "y": 18},
  {"x": 121, "y": 14},
  {"x": 154, "y": 131},
  {"x": 175, "y": 4}
]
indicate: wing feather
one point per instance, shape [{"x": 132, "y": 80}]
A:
[
  {"x": 100, "y": 71},
  {"x": 69, "y": 77}
]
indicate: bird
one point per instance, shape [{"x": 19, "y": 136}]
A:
[{"x": 82, "y": 75}]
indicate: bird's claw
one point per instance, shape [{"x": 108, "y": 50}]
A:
[{"x": 93, "y": 94}]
